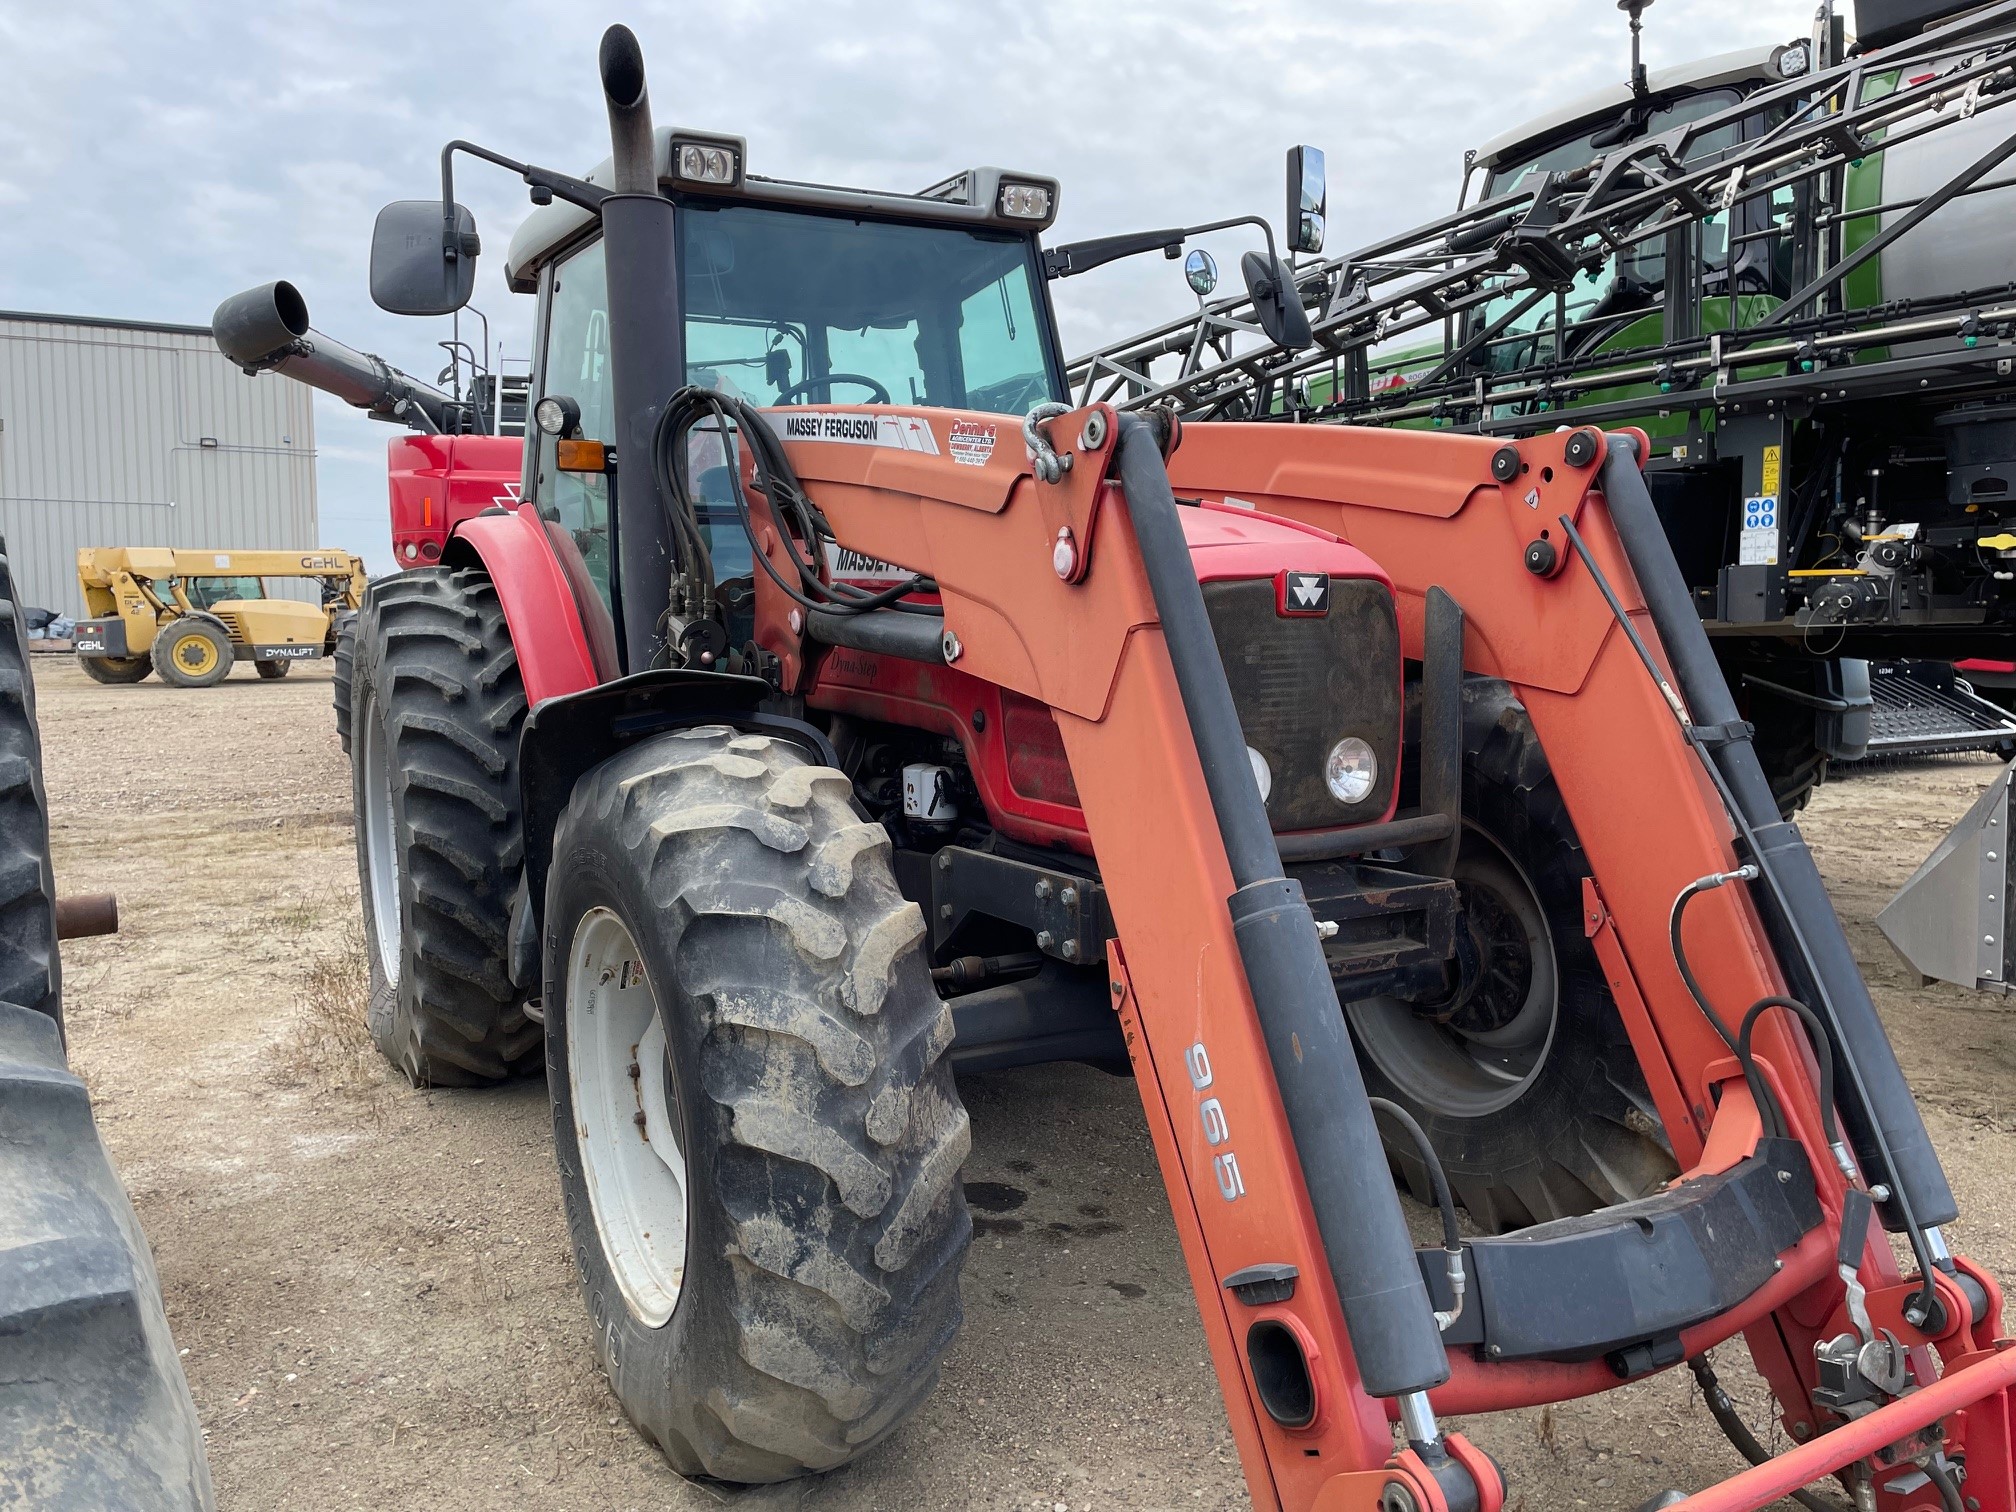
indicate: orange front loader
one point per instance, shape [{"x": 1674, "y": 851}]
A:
[
  {"x": 776, "y": 756},
  {"x": 1296, "y": 1327}
]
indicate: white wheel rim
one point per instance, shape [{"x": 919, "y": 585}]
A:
[
  {"x": 635, "y": 1171},
  {"x": 381, "y": 847}
]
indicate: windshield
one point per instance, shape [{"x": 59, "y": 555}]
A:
[
  {"x": 1624, "y": 285},
  {"x": 206, "y": 592},
  {"x": 789, "y": 307}
]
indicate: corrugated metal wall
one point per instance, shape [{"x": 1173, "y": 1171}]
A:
[{"x": 132, "y": 435}]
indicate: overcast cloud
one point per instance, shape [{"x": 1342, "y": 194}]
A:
[{"x": 156, "y": 157}]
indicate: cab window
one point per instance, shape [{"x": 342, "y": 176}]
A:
[{"x": 577, "y": 366}]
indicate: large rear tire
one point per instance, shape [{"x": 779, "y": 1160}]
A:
[
  {"x": 31, "y": 970},
  {"x": 117, "y": 671},
  {"x": 440, "y": 841},
  {"x": 271, "y": 671},
  {"x": 344, "y": 660},
  {"x": 94, "y": 1410},
  {"x": 758, "y": 1134},
  {"x": 1527, "y": 1085}
]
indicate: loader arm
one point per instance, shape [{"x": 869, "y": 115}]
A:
[{"x": 1098, "y": 652}]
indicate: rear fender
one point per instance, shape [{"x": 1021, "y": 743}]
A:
[
  {"x": 551, "y": 629},
  {"x": 567, "y": 736}
]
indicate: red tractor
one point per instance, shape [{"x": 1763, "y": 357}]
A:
[{"x": 777, "y": 756}]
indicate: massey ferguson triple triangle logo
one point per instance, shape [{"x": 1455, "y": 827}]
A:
[{"x": 1302, "y": 594}]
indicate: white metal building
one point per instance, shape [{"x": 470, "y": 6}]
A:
[{"x": 125, "y": 433}]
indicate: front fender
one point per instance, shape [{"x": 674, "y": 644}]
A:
[
  {"x": 565, "y": 738},
  {"x": 559, "y": 627}
]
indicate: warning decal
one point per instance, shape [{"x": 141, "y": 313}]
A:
[
  {"x": 972, "y": 442},
  {"x": 911, "y": 433},
  {"x": 1758, "y": 545}
]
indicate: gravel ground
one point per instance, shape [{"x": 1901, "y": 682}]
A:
[{"x": 372, "y": 1284}]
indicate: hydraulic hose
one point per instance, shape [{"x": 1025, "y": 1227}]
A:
[
  {"x": 1445, "y": 1204},
  {"x": 1730, "y": 1421}
]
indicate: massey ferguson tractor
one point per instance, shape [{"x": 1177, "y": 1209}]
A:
[{"x": 1343, "y": 784}]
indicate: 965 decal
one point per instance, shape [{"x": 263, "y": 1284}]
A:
[{"x": 1217, "y": 1130}]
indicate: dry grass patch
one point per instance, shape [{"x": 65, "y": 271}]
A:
[{"x": 330, "y": 1046}]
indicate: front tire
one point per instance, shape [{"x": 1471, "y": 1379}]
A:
[
  {"x": 719, "y": 911},
  {"x": 192, "y": 653},
  {"x": 440, "y": 840},
  {"x": 1527, "y": 1085}
]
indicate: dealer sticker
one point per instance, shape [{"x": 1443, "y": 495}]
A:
[
  {"x": 858, "y": 567},
  {"x": 1758, "y": 544},
  {"x": 972, "y": 442},
  {"x": 911, "y": 433}
]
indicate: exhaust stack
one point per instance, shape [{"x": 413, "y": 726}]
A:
[
  {"x": 267, "y": 329},
  {"x": 633, "y": 157}
]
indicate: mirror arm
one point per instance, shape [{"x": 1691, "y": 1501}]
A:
[
  {"x": 1083, "y": 257},
  {"x": 575, "y": 191}
]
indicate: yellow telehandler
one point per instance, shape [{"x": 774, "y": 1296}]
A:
[{"x": 190, "y": 615}]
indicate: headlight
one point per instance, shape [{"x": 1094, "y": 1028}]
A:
[
  {"x": 1262, "y": 773},
  {"x": 1025, "y": 201},
  {"x": 705, "y": 163},
  {"x": 1352, "y": 770},
  {"x": 557, "y": 415}
]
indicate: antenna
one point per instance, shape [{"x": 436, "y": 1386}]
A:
[{"x": 1640, "y": 86}]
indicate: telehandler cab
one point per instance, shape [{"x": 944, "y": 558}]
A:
[{"x": 779, "y": 756}]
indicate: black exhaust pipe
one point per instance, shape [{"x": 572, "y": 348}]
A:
[
  {"x": 266, "y": 329},
  {"x": 635, "y": 160},
  {"x": 647, "y": 349}
]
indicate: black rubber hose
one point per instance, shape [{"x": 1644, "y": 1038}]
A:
[
  {"x": 1445, "y": 1201},
  {"x": 1823, "y": 1052},
  {"x": 1768, "y": 1109},
  {"x": 1723, "y": 1410},
  {"x": 1949, "y": 1490}
]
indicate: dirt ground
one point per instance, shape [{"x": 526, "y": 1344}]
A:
[{"x": 371, "y": 1284}]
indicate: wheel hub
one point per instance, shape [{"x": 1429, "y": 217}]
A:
[
  {"x": 1480, "y": 1049},
  {"x": 625, "y": 1116}
]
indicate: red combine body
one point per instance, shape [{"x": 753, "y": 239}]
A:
[{"x": 437, "y": 481}]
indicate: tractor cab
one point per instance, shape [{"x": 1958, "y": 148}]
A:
[{"x": 793, "y": 296}]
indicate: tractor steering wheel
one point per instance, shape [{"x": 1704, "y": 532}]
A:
[{"x": 827, "y": 380}]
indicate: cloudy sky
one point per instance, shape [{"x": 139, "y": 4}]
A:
[{"x": 157, "y": 156}]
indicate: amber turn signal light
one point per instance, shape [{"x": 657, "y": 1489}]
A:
[{"x": 581, "y": 456}]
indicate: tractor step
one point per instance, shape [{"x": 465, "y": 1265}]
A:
[{"x": 1925, "y": 709}]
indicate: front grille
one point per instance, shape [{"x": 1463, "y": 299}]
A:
[
  {"x": 233, "y": 626},
  {"x": 1302, "y": 685}
]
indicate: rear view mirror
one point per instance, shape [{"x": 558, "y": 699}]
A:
[
  {"x": 1276, "y": 305},
  {"x": 1200, "y": 269},
  {"x": 412, "y": 272},
  {"x": 1308, "y": 199}
]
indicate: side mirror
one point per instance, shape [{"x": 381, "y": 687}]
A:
[
  {"x": 1308, "y": 199},
  {"x": 1200, "y": 270},
  {"x": 412, "y": 273},
  {"x": 1276, "y": 305}
]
